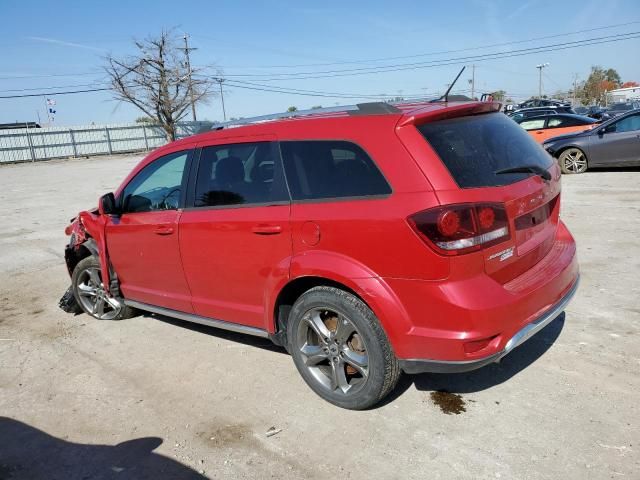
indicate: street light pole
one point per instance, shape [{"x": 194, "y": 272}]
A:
[{"x": 540, "y": 67}]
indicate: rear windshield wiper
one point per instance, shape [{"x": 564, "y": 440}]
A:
[{"x": 526, "y": 168}]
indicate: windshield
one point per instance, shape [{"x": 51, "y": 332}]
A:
[{"x": 474, "y": 147}]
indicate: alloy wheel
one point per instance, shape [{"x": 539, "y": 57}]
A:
[
  {"x": 574, "y": 161},
  {"x": 93, "y": 296},
  {"x": 333, "y": 351}
]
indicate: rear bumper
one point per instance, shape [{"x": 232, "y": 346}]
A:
[
  {"x": 524, "y": 334},
  {"x": 469, "y": 319}
]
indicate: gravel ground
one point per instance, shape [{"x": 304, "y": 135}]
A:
[{"x": 157, "y": 398}]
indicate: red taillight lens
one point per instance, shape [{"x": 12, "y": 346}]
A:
[{"x": 463, "y": 228}]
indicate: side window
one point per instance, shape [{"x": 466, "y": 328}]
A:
[
  {"x": 330, "y": 169},
  {"x": 157, "y": 186},
  {"x": 628, "y": 124},
  {"x": 237, "y": 174},
  {"x": 533, "y": 124}
]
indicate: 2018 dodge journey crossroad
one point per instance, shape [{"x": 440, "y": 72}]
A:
[{"x": 368, "y": 241}]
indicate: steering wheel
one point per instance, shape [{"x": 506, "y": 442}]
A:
[{"x": 163, "y": 203}]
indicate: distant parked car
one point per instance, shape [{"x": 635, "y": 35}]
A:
[
  {"x": 537, "y": 111},
  {"x": 620, "y": 108},
  {"x": 544, "y": 127},
  {"x": 615, "y": 143},
  {"x": 543, "y": 102}
]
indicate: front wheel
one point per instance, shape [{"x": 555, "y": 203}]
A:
[
  {"x": 573, "y": 160},
  {"x": 340, "y": 348},
  {"x": 91, "y": 293}
]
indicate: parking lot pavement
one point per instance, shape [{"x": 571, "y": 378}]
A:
[{"x": 196, "y": 402}]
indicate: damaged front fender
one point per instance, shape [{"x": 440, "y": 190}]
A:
[{"x": 87, "y": 232}]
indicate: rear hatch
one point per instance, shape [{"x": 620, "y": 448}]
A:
[{"x": 476, "y": 153}]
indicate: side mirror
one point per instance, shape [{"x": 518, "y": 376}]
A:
[{"x": 107, "y": 205}]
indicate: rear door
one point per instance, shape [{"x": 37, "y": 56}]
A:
[
  {"x": 235, "y": 236},
  {"x": 535, "y": 127},
  {"x": 472, "y": 149}
]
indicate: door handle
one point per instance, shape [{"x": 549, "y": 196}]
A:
[
  {"x": 163, "y": 230},
  {"x": 267, "y": 229}
]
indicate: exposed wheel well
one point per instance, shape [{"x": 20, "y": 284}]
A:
[
  {"x": 74, "y": 256},
  {"x": 288, "y": 296}
]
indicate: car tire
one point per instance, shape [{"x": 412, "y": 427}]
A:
[
  {"x": 91, "y": 295},
  {"x": 573, "y": 160},
  {"x": 340, "y": 348}
]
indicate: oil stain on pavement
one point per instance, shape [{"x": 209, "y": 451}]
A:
[{"x": 449, "y": 403}]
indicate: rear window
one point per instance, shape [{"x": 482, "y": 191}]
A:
[
  {"x": 330, "y": 169},
  {"x": 474, "y": 147}
]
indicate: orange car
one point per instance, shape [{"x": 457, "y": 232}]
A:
[{"x": 543, "y": 127}]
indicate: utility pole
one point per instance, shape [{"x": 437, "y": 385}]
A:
[
  {"x": 540, "y": 67},
  {"x": 187, "y": 49},
  {"x": 473, "y": 81},
  {"x": 575, "y": 87},
  {"x": 220, "y": 81}
]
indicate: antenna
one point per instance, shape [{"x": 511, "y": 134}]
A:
[{"x": 446, "y": 94}]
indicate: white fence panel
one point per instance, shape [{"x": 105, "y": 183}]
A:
[{"x": 20, "y": 145}]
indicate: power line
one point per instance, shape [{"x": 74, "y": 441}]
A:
[
  {"x": 515, "y": 42},
  {"x": 442, "y": 62},
  {"x": 49, "y": 75},
  {"x": 68, "y": 92}
]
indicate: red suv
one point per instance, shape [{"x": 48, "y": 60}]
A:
[{"x": 368, "y": 241}]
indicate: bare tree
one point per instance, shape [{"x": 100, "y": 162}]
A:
[{"x": 158, "y": 80}]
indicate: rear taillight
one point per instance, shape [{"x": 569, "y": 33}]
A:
[{"x": 463, "y": 228}]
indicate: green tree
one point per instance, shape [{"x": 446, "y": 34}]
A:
[
  {"x": 292, "y": 108},
  {"x": 599, "y": 82}
]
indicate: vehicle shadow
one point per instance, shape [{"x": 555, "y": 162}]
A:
[
  {"x": 29, "y": 453},
  {"x": 489, "y": 376},
  {"x": 243, "y": 338},
  {"x": 613, "y": 169},
  {"x": 469, "y": 382}
]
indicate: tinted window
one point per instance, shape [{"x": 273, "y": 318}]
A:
[
  {"x": 533, "y": 124},
  {"x": 157, "y": 186},
  {"x": 239, "y": 174},
  {"x": 538, "y": 112},
  {"x": 474, "y": 147},
  {"x": 330, "y": 169},
  {"x": 557, "y": 122},
  {"x": 628, "y": 124}
]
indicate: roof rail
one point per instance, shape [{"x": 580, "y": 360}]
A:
[{"x": 370, "y": 108}]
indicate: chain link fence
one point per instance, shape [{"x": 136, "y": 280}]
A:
[{"x": 31, "y": 144}]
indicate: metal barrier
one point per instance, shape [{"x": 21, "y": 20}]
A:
[{"x": 31, "y": 144}]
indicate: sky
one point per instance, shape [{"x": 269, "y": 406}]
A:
[{"x": 56, "y": 46}]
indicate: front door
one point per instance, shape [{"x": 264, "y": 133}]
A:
[
  {"x": 236, "y": 239},
  {"x": 143, "y": 241},
  {"x": 619, "y": 143}
]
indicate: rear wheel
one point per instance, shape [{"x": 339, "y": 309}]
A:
[
  {"x": 340, "y": 348},
  {"x": 573, "y": 160},
  {"x": 91, "y": 294}
]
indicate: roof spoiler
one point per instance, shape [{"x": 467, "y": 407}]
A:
[{"x": 424, "y": 115}]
